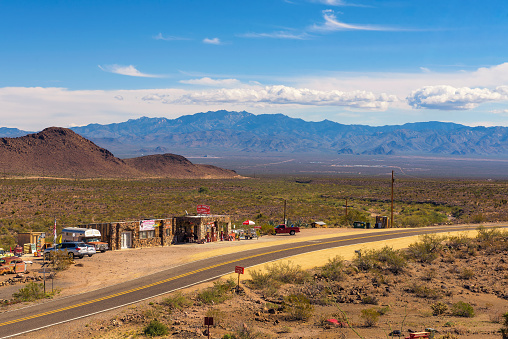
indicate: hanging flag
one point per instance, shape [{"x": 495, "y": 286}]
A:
[{"x": 54, "y": 233}]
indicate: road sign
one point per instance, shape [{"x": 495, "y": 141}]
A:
[
  {"x": 239, "y": 269},
  {"x": 209, "y": 321},
  {"x": 203, "y": 209}
]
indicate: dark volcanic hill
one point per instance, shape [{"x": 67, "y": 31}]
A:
[{"x": 61, "y": 152}]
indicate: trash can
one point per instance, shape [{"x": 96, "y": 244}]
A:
[
  {"x": 368, "y": 224},
  {"x": 378, "y": 225}
]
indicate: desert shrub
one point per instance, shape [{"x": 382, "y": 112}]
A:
[
  {"x": 447, "y": 336},
  {"x": 426, "y": 249},
  {"x": 393, "y": 260},
  {"x": 462, "y": 309},
  {"x": 334, "y": 269},
  {"x": 298, "y": 307},
  {"x": 370, "y": 300},
  {"x": 59, "y": 260},
  {"x": 31, "y": 292},
  {"x": 429, "y": 274},
  {"x": 459, "y": 241},
  {"x": 177, "y": 301},
  {"x": 156, "y": 329},
  {"x": 438, "y": 308},
  {"x": 283, "y": 272},
  {"x": 217, "y": 315},
  {"x": 466, "y": 273},
  {"x": 218, "y": 293},
  {"x": 267, "y": 229},
  {"x": 370, "y": 317},
  {"x": 424, "y": 291},
  {"x": 383, "y": 310},
  {"x": 384, "y": 259},
  {"x": 203, "y": 190},
  {"x": 504, "y": 329}
]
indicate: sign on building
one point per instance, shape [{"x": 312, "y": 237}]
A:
[
  {"x": 203, "y": 209},
  {"x": 147, "y": 225}
]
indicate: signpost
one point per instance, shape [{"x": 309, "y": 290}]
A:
[
  {"x": 203, "y": 209},
  {"x": 239, "y": 270},
  {"x": 208, "y": 322}
]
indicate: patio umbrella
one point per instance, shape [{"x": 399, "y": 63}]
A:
[{"x": 249, "y": 222}]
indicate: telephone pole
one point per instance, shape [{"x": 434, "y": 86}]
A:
[{"x": 391, "y": 218}]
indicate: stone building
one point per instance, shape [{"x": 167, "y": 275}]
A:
[
  {"x": 136, "y": 234},
  {"x": 163, "y": 232},
  {"x": 202, "y": 228}
]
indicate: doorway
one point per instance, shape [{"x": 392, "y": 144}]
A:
[{"x": 126, "y": 240}]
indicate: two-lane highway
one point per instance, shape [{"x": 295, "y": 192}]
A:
[{"x": 67, "y": 309}]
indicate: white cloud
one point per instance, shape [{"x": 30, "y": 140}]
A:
[
  {"x": 127, "y": 70},
  {"x": 168, "y": 37},
  {"x": 206, "y": 81},
  {"x": 331, "y": 24},
  {"x": 499, "y": 111},
  {"x": 282, "y": 95},
  {"x": 451, "y": 98},
  {"x": 277, "y": 35},
  {"x": 214, "y": 41}
]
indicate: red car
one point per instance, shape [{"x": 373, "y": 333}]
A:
[{"x": 12, "y": 265}]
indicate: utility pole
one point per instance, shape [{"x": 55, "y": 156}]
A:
[
  {"x": 346, "y": 208},
  {"x": 391, "y": 218},
  {"x": 285, "y": 211}
]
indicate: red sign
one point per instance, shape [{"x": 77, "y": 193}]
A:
[
  {"x": 209, "y": 321},
  {"x": 239, "y": 269},
  {"x": 203, "y": 209}
]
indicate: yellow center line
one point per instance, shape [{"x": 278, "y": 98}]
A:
[{"x": 201, "y": 270}]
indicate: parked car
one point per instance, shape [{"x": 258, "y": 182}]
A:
[
  {"x": 282, "y": 228},
  {"x": 251, "y": 233},
  {"x": 12, "y": 265},
  {"x": 74, "y": 249},
  {"x": 91, "y": 249},
  {"x": 3, "y": 253}
]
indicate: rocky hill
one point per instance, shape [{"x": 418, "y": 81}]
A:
[{"x": 61, "y": 152}]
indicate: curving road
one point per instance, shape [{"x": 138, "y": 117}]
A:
[{"x": 58, "y": 311}]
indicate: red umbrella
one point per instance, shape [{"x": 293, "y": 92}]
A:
[{"x": 249, "y": 222}]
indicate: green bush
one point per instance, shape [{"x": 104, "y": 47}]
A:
[
  {"x": 279, "y": 273},
  {"x": 298, "y": 307},
  {"x": 504, "y": 329},
  {"x": 426, "y": 249},
  {"x": 177, "y": 301},
  {"x": 218, "y": 293},
  {"x": 31, "y": 292},
  {"x": 156, "y": 329},
  {"x": 334, "y": 269},
  {"x": 439, "y": 308},
  {"x": 462, "y": 309},
  {"x": 370, "y": 317},
  {"x": 424, "y": 291}
]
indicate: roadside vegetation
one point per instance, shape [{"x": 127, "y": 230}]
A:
[
  {"x": 32, "y": 204},
  {"x": 380, "y": 291}
]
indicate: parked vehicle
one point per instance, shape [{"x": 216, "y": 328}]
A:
[
  {"x": 91, "y": 249},
  {"x": 282, "y": 228},
  {"x": 89, "y": 236},
  {"x": 251, "y": 234},
  {"x": 12, "y": 265},
  {"x": 74, "y": 249}
]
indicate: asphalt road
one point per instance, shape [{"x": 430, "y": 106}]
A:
[{"x": 57, "y": 311}]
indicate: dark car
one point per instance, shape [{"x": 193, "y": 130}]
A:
[{"x": 74, "y": 249}]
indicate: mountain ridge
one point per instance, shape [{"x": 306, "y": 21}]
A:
[{"x": 246, "y": 133}]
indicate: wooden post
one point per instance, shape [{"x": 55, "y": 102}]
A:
[
  {"x": 284, "y": 211},
  {"x": 391, "y": 218}
]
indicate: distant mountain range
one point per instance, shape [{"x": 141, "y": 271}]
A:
[{"x": 228, "y": 132}]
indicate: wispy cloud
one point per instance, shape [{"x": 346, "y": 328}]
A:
[
  {"x": 331, "y": 24},
  {"x": 168, "y": 37},
  {"x": 127, "y": 70},
  {"x": 213, "y": 41},
  {"x": 277, "y": 35},
  {"x": 206, "y": 81},
  {"x": 338, "y": 3}
]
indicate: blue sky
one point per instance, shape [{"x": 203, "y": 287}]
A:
[{"x": 69, "y": 63}]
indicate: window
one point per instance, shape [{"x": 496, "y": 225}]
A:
[{"x": 146, "y": 234}]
